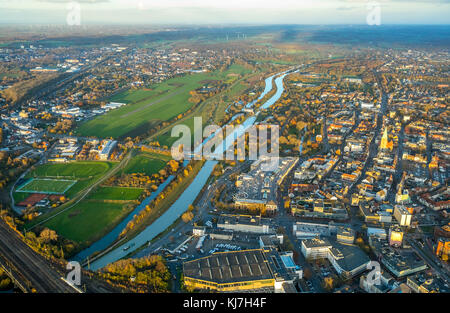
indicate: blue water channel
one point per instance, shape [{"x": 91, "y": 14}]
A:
[
  {"x": 107, "y": 240},
  {"x": 188, "y": 196}
]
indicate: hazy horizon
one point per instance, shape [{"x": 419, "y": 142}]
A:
[{"x": 243, "y": 12}]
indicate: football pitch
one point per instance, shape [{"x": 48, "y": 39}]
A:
[{"x": 47, "y": 186}]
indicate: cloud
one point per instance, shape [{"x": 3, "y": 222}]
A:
[
  {"x": 79, "y": 1},
  {"x": 228, "y": 11}
]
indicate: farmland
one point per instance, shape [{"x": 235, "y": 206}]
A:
[{"x": 148, "y": 107}]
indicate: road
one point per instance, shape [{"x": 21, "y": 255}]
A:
[
  {"x": 373, "y": 147},
  {"x": 203, "y": 205},
  {"x": 34, "y": 270},
  {"x": 432, "y": 263}
]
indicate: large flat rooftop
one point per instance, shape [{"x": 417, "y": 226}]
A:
[{"x": 230, "y": 267}]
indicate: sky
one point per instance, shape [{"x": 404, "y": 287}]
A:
[{"x": 224, "y": 11}]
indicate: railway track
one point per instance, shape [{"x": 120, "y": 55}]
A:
[{"x": 29, "y": 268}]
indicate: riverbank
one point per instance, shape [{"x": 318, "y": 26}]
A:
[
  {"x": 171, "y": 196},
  {"x": 189, "y": 195}
]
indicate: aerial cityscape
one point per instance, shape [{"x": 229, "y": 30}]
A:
[{"x": 171, "y": 155}]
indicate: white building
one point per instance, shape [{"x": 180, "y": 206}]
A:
[
  {"x": 107, "y": 149},
  {"x": 402, "y": 215},
  {"x": 348, "y": 260},
  {"x": 315, "y": 248},
  {"x": 303, "y": 230}
]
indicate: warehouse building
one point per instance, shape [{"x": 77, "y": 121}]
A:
[{"x": 246, "y": 270}]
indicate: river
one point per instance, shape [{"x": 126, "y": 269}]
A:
[
  {"x": 267, "y": 89},
  {"x": 188, "y": 196},
  {"x": 108, "y": 239}
]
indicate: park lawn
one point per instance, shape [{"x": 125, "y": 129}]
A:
[
  {"x": 89, "y": 220},
  {"x": 55, "y": 186},
  {"x": 149, "y": 106},
  {"x": 116, "y": 193},
  {"x": 146, "y": 164}
]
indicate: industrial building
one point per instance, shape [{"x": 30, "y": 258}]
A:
[{"x": 246, "y": 270}]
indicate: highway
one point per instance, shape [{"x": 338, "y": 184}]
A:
[{"x": 32, "y": 269}]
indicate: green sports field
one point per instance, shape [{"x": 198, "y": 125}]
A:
[
  {"x": 47, "y": 186},
  {"x": 84, "y": 173},
  {"x": 148, "y": 107}
]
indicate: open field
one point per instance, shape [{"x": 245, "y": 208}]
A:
[
  {"x": 146, "y": 163},
  {"x": 167, "y": 140},
  {"x": 116, "y": 193},
  {"x": 149, "y": 106},
  {"x": 220, "y": 103},
  {"x": 89, "y": 220},
  {"x": 48, "y": 186}
]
